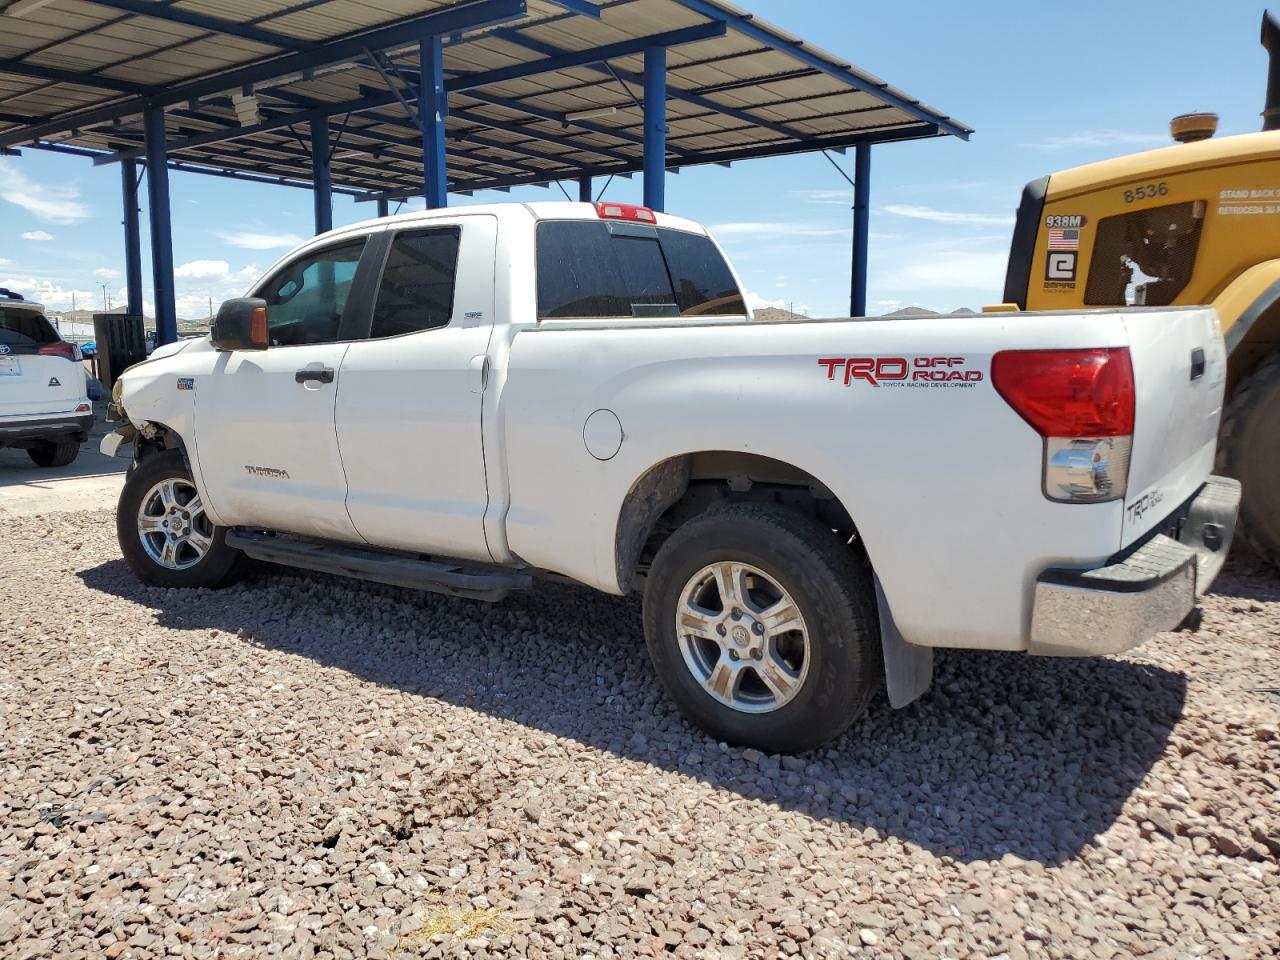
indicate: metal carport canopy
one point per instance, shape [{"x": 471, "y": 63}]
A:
[
  {"x": 78, "y": 73},
  {"x": 395, "y": 98}
]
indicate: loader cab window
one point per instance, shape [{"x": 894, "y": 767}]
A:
[
  {"x": 598, "y": 270},
  {"x": 306, "y": 298},
  {"x": 1144, "y": 258}
]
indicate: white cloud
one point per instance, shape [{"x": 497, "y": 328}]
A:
[
  {"x": 842, "y": 197},
  {"x": 950, "y": 270},
  {"x": 55, "y": 203},
  {"x": 757, "y": 302},
  {"x": 916, "y": 212},
  {"x": 218, "y": 271},
  {"x": 52, "y": 294},
  {"x": 37, "y": 235},
  {"x": 106, "y": 273},
  {"x": 1099, "y": 138},
  {"x": 203, "y": 270},
  {"x": 751, "y": 229},
  {"x": 261, "y": 241}
]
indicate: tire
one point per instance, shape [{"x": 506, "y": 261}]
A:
[
  {"x": 199, "y": 559},
  {"x": 1249, "y": 451},
  {"x": 54, "y": 453},
  {"x": 782, "y": 554}
]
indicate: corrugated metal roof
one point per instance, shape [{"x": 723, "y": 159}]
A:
[{"x": 74, "y": 74}]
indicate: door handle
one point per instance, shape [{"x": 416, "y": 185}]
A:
[{"x": 316, "y": 374}]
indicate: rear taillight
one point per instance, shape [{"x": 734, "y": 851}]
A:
[
  {"x": 61, "y": 349},
  {"x": 625, "y": 211},
  {"x": 1081, "y": 402}
]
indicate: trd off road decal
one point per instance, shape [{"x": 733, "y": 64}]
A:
[
  {"x": 1063, "y": 254},
  {"x": 902, "y": 371}
]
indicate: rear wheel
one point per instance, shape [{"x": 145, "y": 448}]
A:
[
  {"x": 762, "y": 627},
  {"x": 54, "y": 453},
  {"x": 165, "y": 535},
  {"x": 1249, "y": 450}
]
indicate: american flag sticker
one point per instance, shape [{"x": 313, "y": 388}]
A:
[{"x": 1063, "y": 239}]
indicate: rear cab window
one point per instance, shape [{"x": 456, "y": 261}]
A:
[
  {"x": 605, "y": 269},
  {"x": 25, "y": 330}
]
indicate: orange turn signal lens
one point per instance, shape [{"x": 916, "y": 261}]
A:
[{"x": 258, "y": 326}]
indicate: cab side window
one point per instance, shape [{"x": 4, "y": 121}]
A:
[
  {"x": 306, "y": 298},
  {"x": 416, "y": 292}
]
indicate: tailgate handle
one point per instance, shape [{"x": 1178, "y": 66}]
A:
[{"x": 1197, "y": 363}]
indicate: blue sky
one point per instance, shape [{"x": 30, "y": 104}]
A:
[{"x": 1046, "y": 86}]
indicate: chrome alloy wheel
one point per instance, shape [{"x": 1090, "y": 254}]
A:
[
  {"x": 172, "y": 525},
  {"x": 742, "y": 637}
]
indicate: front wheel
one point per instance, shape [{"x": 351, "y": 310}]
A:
[
  {"x": 762, "y": 627},
  {"x": 165, "y": 535}
]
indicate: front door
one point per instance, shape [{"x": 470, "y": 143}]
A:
[
  {"x": 265, "y": 418},
  {"x": 408, "y": 416}
]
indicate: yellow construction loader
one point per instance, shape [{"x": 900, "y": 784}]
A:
[{"x": 1193, "y": 223}]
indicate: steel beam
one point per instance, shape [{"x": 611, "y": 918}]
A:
[
  {"x": 383, "y": 206},
  {"x": 558, "y": 60},
  {"x": 433, "y": 108},
  {"x": 322, "y": 190},
  {"x": 910, "y": 130},
  {"x": 132, "y": 237},
  {"x": 351, "y": 46},
  {"x": 861, "y": 229},
  {"x": 675, "y": 93},
  {"x": 584, "y": 189},
  {"x": 35, "y": 71},
  {"x": 566, "y": 59},
  {"x": 161, "y": 225},
  {"x": 583, "y": 7},
  {"x": 655, "y": 127},
  {"x": 190, "y": 18},
  {"x": 745, "y": 24}
]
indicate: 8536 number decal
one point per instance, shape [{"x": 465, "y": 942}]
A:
[{"x": 1147, "y": 191}]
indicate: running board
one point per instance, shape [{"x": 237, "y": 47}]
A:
[{"x": 398, "y": 569}]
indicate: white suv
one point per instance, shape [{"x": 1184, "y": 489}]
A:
[{"x": 44, "y": 403}]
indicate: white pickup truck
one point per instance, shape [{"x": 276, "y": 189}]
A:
[{"x": 465, "y": 400}]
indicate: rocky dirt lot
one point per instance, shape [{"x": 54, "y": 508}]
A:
[{"x": 305, "y": 767}]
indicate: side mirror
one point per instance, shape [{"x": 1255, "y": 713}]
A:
[{"x": 241, "y": 324}]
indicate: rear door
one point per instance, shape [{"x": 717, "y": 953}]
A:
[
  {"x": 1179, "y": 371},
  {"x": 409, "y": 411},
  {"x": 34, "y": 383}
]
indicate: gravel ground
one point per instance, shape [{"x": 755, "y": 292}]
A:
[{"x": 308, "y": 767}]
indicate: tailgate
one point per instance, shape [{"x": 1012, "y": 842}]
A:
[
  {"x": 1179, "y": 369},
  {"x": 32, "y": 385}
]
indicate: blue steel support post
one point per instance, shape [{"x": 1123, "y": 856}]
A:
[
  {"x": 861, "y": 229},
  {"x": 433, "y": 107},
  {"x": 161, "y": 224},
  {"x": 655, "y": 127},
  {"x": 383, "y": 207},
  {"x": 321, "y": 182},
  {"x": 132, "y": 237},
  {"x": 584, "y": 189}
]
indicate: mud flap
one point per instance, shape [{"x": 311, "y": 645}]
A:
[{"x": 908, "y": 668}]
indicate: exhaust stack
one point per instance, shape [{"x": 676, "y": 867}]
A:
[{"x": 1271, "y": 43}]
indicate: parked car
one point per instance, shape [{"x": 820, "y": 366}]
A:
[
  {"x": 44, "y": 403},
  {"x": 89, "y": 349},
  {"x": 466, "y": 400}
]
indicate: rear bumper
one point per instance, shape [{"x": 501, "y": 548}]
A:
[
  {"x": 1145, "y": 590},
  {"x": 62, "y": 426}
]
